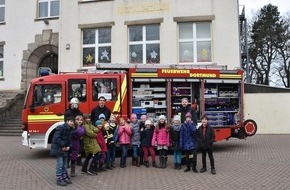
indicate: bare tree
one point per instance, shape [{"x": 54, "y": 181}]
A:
[{"x": 266, "y": 32}]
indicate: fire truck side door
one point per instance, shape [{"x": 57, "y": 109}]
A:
[{"x": 47, "y": 105}]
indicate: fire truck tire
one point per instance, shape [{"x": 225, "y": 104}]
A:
[{"x": 250, "y": 127}]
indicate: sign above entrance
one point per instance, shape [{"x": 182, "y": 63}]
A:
[{"x": 143, "y": 8}]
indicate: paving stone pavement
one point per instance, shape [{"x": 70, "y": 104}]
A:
[{"x": 259, "y": 163}]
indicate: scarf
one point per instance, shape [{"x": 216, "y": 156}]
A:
[{"x": 176, "y": 127}]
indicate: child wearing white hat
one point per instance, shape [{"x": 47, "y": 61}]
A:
[
  {"x": 175, "y": 138},
  {"x": 161, "y": 138},
  {"x": 146, "y": 138}
]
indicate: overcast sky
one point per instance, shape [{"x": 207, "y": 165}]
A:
[{"x": 252, "y": 6}]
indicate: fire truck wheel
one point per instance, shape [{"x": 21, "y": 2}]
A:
[{"x": 250, "y": 127}]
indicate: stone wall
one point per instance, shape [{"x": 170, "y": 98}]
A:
[{"x": 11, "y": 103}]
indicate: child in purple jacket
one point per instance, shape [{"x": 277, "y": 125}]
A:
[{"x": 76, "y": 136}]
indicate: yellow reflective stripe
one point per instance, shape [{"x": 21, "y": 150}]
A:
[
  {"x": 145, "y": 75},
  {"x": 43, "y": 118},
  {"x": 230, "y": 76},
  {"x": 123, "y": 92},
  {"x": 190, "y": 156}
]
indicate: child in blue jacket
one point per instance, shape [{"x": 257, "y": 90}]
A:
[
  {"x": 60, "y": 146},
  {"x": 188, "y": 142}
]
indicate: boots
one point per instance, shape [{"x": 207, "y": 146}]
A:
[
  {"x": 164, "y": 162},
  {"x": 79, "y": 161},
  {"x": 146, "y": 163},
  {"x": 178, "y": 166},
  {"x": 187, "y": 167},
  {"x": 73, "y": 170},
  {"x": 95, "y": 169},
  {"x": 154, "y": 164},
  {"x": 161, "y": 161},
  {"x": 108, "y": 166},
  {"x": 85, "y": 166},
  {"x": 102, "y": 168},
  {"x": 137, "y": 163},
  {"x": 91, "y": 169},
  {"x": 133, "y": 161},
  {"x": 113, "y": 165},
  {"x": 141, "y": 160},
  {"x": 175, "y": 166}
]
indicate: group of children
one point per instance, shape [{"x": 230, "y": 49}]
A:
[{"x": 99, "y": 142}]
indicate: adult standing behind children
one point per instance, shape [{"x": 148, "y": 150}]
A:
[
  {"x": 206, "y": 140},
  {"x": 185, "y": 108},
  {"x": 60, "y": 146},
  {"x": 100, "y": 109}
]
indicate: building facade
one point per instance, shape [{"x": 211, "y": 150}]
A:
[{"x": 65, "y": 36}]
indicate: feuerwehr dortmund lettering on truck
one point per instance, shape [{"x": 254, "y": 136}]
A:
[{"x": 149, "y": 89}]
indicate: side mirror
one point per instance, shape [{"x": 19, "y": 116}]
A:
[{"x": 32, "y": 108}]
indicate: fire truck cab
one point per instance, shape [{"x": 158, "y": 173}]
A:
[{"x": 152, "y": 90}]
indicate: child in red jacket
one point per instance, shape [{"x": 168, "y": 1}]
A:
[{"x": 102, "y": 143}]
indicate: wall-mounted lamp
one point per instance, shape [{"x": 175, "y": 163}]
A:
[
  {"x": 46, "y": 21},
  {"x": 67, "y": 46}
]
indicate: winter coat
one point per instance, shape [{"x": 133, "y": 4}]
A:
[
  {"x": 97, "y": 111},
  {"x": 161, "y": 136},
  {"x": 76, "y": 136},
  {"x": 101, "y": 141},
  {"x": 72, "y": 112},
  {"x": 124, "y": 134},
  {"x": 91, "y": 145},
  {"x": 187, "y": 134},
  {"x": 111, "y": 134},
  {"x": 184, "y": 110},
  {"x": 60, "y": 139},
  {"x": 208, "y": 140},
  {"x": 146, "y": 137},
  {"x": 175, "y": 137},
  {"x": 135, "y": 139}
]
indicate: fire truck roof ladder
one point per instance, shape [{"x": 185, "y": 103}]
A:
[{"x": 114, "y": 66}]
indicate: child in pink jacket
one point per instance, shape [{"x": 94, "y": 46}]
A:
[
  {"x": 124, "y": 134},
  {"x": 161, "y": 139}
]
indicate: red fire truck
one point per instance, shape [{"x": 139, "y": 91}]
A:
[{"x": 141, "y": 89}]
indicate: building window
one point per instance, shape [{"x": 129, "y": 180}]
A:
[
  {"x": 2, "y": 11},
  {"x": 195, "y": 42},
  {"x": 48, "y": 8},
  {"x": 144, "y": 44},
  {"x": 1, "y": 60},
  {"x": 96, "y": 46}
]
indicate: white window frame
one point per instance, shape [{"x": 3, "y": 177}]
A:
[
  {"x": 144, "y": 42},
  {"x": 3, "y": 5},
  {"x": 96, "y": 45},
  {"x": 194, "y": 41},
  {"x": 49, "y": 8},
  {"x": 2, "y": 59}
]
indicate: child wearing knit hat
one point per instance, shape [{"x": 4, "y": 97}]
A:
[
  {"x": 188, "y": 142},
  {"x": 143, "y": 118},
  {"x": 135, "y": 139},
  {"x": 161, "y": 138},
  {"x": 146, "y": 138},
  {"x": 175, "y": 138}
]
